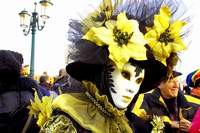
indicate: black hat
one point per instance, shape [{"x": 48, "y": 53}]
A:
[
  {"x": 176, "y": 74},
  {"x": 10, "y": 65},
  {"x": 92, "y": 45},
  {"x": 171, "y": 75}
]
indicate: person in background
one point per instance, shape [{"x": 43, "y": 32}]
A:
[
  {"x": 193, "y": 81},
  {"x": 176, "y": 110},
  {"x": 16, "y": 90},
  {"x": 44, "y": 83},
  {"x": 43, "y": 91},
  {"x": 45, "y": 73},
  {"x": 62, "y": 76},
  {"x": 186, "y": 89},
  {"x": 72, "y": 85},
  {"x": 61, "y": 82}
]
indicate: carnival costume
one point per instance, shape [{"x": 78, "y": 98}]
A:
[{"x": 115, "y": 32}]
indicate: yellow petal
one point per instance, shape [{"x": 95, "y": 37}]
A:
[
  {"x": 175, "y": 28},
  {"x": 107, "y": 37},
  {"x": 47, "y": 104},
  {"x": 138, "y": 38},
  {"x": 126, "y": 25},
  {"x": 136, "y": 51},
  {"x": 110, "y": 24},
  {"x": 91, "y": 35},
  {"x": 118, "y": 55},
  {"x": 41, "y": 119},
  {"x": 162, "y": 19},
  {"x": 122, "y": 20}
]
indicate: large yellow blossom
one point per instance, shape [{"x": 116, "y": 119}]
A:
[
  {"x": 164, "y": 38},
  {"x": 123, "y": 38},
  {"x": 41, "y": 109}
]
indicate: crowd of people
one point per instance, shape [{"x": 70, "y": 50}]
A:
[{"x": 121, "y": 76}]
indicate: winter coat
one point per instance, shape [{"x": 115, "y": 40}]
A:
[
  {"x": 153, "y": 103},
  {"x": 14, "y": 98}
]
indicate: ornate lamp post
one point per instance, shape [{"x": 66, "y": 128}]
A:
[{"x": 33, "y": 25}]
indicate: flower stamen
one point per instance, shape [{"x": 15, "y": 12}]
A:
[
  {"x": 165, "y": 37},
  {"x": 121, "y": 37}
]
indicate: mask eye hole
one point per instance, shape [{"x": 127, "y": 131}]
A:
[
  {"x": 139, "y": 80},
  {"x": 125, "y": 74}
]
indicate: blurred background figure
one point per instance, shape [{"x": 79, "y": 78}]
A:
[
  {"x": 16, "y": 90},
  {"x": 193, "y": 81},
  {"x": 44, "y": 82},
  {"x": 62, "y": 76},
  {"x": 61, "y": 82},
  {"x": 25, "y": 70}
]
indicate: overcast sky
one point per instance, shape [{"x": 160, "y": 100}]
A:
[{"x": 50, "y": 43}]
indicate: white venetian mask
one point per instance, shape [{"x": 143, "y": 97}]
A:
[{"x": 126, "y": 85}]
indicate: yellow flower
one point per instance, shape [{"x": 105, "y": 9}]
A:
[
  {"x": 164, "y": 38},
  {"x": 158, "y": 124},
  {"x": 123, "y": 38},
  {"x": 41, "y": 109},
  {"x": 102, "y": 13}
]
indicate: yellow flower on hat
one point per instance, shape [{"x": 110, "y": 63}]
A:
[
  {"x": 102, "y": 13},
  {"x": 123, "y": 38},
  {"x": 41, "y": 109},
  {"x": 164, "y": 38}
]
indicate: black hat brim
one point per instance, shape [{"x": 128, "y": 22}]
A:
[
  {"x": 176, "y": 74},
  {"x": 154, "y": 72},
  {"x": 80, "y": 71}
]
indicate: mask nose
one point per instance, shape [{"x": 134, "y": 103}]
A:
[{"x": 130, "y": 90}]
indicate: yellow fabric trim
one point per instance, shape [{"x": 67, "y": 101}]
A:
[
  {"x": 162, "y": 100},
  {"x": 136, "y": 110},
  {"x": 180, "y": 114},
  {"x": 142, "y": 113},
  {"x": 192, "y": 99},
  {"x": 88, "y": 115},
  {"x": 166, "y": 119}
]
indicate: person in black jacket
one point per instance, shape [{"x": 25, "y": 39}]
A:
[
  {"x": 15, "y": 94},
  {"x": 167, "y": 101}
]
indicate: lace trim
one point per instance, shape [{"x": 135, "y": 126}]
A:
[{"x": 98, "y": 105}]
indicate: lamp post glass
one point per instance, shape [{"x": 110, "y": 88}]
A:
[
  {"x": 34, "y": 25},
  {"x": 23, "y": 18}
]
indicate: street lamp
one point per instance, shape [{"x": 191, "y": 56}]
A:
[{"x": 33, "y": 25}]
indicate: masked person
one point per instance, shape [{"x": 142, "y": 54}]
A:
[{"x": 110, "y": 56}]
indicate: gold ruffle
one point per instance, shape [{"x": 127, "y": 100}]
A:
[{"x": 89, "y": 115}]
